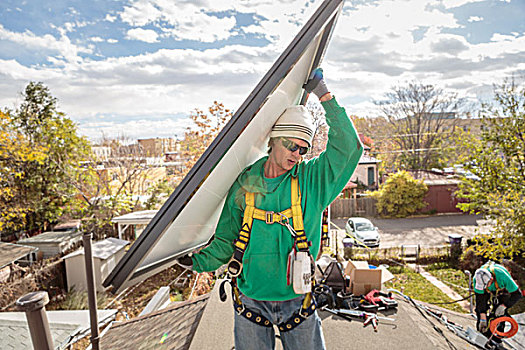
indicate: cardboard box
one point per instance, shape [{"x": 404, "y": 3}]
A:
[{"x": 363, "y": 278}]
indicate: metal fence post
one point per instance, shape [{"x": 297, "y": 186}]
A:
[
  {"x": 92, "y": 291},
  {"x": 34, "y": 305},
  {"x": 467, "y": 272}
]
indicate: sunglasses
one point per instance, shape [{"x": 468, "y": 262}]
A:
[{"x": 292, "y": 146}]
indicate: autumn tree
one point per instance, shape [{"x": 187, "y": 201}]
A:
[
  {"x": 421, "y": 118},
  {"x": 15, "y": 152},
  {"x": 49, "y": 158},
  {"x": 203, "y": 130},
  {"x": 498, "y": 162}
]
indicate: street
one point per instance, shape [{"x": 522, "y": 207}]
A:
[{"x": 426, "y": 231}]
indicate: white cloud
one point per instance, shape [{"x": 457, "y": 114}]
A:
[
  {"x": 475, "y": 19},
  {"x": 110, "y": 18},
  {"x": 187, "y": 20},
  {"x": 193, "y": 20},
  {"x": 457, "y": 3},
  {"x": 46, "y": 42},
  {"x": 147, "y": 35},
  {"x": 112, "y": 41},
  {"x": 135, "y": 129},
  {"x": 497, "y": 37},
  {"x": 96, "y": 39}
]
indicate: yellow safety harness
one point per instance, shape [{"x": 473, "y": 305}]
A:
[
  {"x": 490, "y": 266},
  {"x": 301, "y": 242},
  {"x": 270, "y": 217}
]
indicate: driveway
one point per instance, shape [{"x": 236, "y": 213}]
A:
[{"x": 427, "y": 231}]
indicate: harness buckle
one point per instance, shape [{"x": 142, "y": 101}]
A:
[
  {"x": 269, "y": 217},
  {"x": 234, "y": 267},
  {"x": 285, "y": 220},
  {"x": 301, "y": 313}
]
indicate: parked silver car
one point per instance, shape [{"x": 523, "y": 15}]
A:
[{"x": 363, "y": 230}]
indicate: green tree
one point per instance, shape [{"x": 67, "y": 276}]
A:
[
  {"x": 45, "y": 185},
  {"x": 401, "y": 195},
  {"x": 498, "y": 162}
]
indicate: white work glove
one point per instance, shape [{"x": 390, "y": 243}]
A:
[
  {"x": 483, "y": 325},
  {"x": 500, "y": 310}
]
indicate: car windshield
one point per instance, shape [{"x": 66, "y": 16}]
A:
[{"x": 364, "y": 226}]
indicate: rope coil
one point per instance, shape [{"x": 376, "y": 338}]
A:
[{"x": 510, "y": 333}]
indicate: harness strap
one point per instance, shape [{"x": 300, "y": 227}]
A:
[
  {"x": 491, "y": 269},
  {"x": 297, "y": 216},
  {"x": 271, "y": 217},
  {"x": 308, "y": 307}
]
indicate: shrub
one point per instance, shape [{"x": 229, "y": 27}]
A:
[{"x": 401, "y": 195}]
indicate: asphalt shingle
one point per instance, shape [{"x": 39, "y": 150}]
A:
[
  {"x": 14, "y": 335},
  {"x": 170, "y": 328}
]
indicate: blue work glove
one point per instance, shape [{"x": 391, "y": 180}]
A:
[
  {"x": 316, "y": 83},
  {"x": 185, "y": 261}
]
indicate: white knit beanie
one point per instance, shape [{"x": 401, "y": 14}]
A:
[
  {"x": 295, "y": 122},
  {"x": 482, "y": 278}
]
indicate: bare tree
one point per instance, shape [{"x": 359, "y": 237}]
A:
[
  {"x": 113, "y": 180},
  {"x": 421, "y": 119},
  {"x": 321, "y": 130}
]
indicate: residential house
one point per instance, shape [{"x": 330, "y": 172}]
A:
[
  {"x": 158, "y": 146},
  {"x": 65, "y": 326}
]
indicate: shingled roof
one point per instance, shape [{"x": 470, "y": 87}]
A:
[
  {"x": 169, "y": 328},
  {"x": 10, "y": 252},
  {"x": 410, "y": 331}
]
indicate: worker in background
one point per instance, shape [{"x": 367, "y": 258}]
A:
[
  {"x": 494, "y": 287},
  {"x": 267, "y": 295}
]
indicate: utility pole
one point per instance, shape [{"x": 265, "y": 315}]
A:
[{"x": 92, "y": 291}]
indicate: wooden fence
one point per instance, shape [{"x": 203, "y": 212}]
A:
[{"x": 348, "y": 207}]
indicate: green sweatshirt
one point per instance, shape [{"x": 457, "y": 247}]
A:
[
  {"x": 320, "y": 179},
  {"x": 502, "y": 276}
]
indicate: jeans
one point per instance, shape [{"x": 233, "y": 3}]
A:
[{"x": 250, "y": 336}]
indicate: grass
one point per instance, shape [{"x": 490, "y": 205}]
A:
[
  {"x": 455, "y": 279},
  {"x": 417, "y": 287}
]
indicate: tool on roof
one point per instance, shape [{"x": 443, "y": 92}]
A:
[
  {"x": 366, "y": 317},
  {"x": 470, "y": 335}
]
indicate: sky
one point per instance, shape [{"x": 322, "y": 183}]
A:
[{"x": 138, "y": 68}]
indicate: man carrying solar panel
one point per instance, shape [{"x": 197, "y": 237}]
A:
[{"x": 269, "y": 231}]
